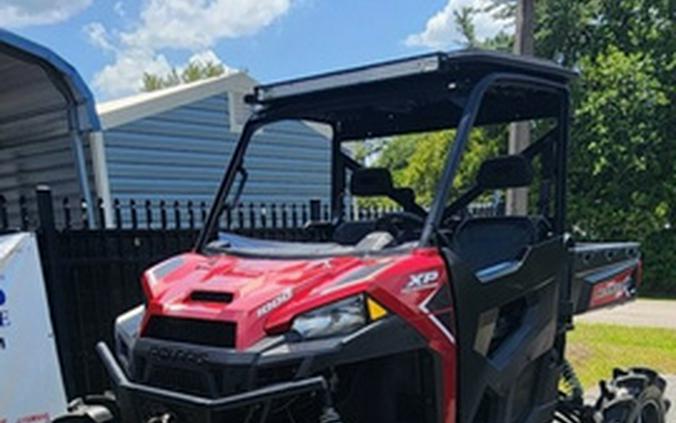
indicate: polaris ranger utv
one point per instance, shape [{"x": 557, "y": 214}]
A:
[{"x": 427, "y": 314}]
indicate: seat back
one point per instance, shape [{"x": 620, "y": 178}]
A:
[
  {"x": 371, "y": 182},
  {"x": 349, "y": 233}
]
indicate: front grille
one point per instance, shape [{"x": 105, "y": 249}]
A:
[
  {"x": 182, "y": 380},
  {"x": 276, "y": 374},
  {"x": 192, "y": 331}
]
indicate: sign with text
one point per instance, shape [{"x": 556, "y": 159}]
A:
[{"x": 31, "y": 389}]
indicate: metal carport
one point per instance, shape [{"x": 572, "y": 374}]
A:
[{"x": 46, "y": 111}]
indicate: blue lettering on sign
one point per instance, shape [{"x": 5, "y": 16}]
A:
[
  {"x": 4, "y": 318},
  {"x": 3, "y": 298}
]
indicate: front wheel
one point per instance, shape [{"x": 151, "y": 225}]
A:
[
  {"x": 91, "y": 409},
  {"x": 633, "y": 396}
]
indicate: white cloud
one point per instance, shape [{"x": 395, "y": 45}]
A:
[
  {"x": 205, "y": 56},
  {"x": 98, "y": 36},
  {"x": 183, "y": 25},
  {"x": 21, "y": 13},
  {"x": 441, "y": 31},
  {"x": 119, "y": 9},
  {"x": 195, "y": 24},
  {"x": 126, "y": 74}
]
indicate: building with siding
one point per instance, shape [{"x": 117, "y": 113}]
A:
[{"x": 174, "y": 145}]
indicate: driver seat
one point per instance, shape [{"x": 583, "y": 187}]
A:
[
  {"x": 350, "y": 233},
  {"x": 371, "y": 182}
]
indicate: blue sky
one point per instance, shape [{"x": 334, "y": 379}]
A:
[{"x": 111, "y": 42}]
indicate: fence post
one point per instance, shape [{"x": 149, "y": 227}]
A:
[
  {"x": 4, "y": 219},
  {"x": 315, "y": 210},
  {"x": 56, "y": 294}
]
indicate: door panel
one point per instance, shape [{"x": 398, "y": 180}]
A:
[{"x": 506, "y": 332}]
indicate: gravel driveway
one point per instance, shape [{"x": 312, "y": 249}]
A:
[{"x": 649, "y": 313}]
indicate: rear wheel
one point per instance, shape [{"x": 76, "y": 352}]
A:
[{"x": 632, "y": 396}]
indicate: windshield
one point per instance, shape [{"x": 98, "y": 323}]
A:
[
  {"x": 293, "y": 185},
  {"x": 293, "y": 189}
]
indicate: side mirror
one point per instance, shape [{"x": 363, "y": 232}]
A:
[
  {"x": 370, "y": 182},
  {"x": 505, "y": 172}
]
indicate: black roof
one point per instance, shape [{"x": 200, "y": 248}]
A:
[{"x": 418, "y": 93}]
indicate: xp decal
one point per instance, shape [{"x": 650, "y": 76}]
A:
[{"x": 420, "y": 281}]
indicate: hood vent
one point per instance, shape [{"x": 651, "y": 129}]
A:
[{"x": 211, "y": 297}]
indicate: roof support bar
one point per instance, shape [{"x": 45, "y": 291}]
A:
[
  {"x": 81, "y": 169},
  {"x": 77, "y": 143},
  {"x": 465, "y": 125}
]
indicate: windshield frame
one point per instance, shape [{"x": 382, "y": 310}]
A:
[{"x": 453, "y": 158}]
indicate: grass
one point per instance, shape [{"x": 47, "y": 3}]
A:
[{"x": 595, "y": 349}]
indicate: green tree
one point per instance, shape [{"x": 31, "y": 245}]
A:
[
  {"x": 623, "y": 172},
  {"x": 622, "y": 169},
  {"x": 195, "y": 71},
  {"x": 623, "y": 157},
  {"x": 464, "y": 20}
]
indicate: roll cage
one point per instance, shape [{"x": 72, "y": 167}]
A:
[{"x": 458, "y": 90}]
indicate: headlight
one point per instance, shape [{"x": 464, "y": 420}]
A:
[{"x": 339, "y": 318}]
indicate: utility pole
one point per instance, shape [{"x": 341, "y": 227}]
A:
[{"x": 519, "y": 133}]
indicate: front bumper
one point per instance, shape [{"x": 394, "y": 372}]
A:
[
  {"x": 142, "y": 403},
  {"x": 197, "y": 383},
  {"x": 214, "y": 372}
]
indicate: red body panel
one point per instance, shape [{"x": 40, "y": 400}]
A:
[
  {"x": 269, "y": 293},
  {"x": 615, "y": 290}
]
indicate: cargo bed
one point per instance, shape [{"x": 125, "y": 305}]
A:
[{"x": 604, "y": 274}]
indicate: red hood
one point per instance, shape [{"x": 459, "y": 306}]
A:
[{"x": 268, "y": 293}]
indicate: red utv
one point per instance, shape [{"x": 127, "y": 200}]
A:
[{"x": 425, "y": 314}]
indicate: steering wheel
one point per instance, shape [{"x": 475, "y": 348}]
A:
[
  {"x": 452, "y": 221},
  {"x": 399, "y": 224}
]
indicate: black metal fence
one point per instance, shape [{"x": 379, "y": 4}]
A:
[{"x": 92, "y": 274}]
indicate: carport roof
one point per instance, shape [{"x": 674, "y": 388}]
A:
[
  {"x": 35, "y": 81},
  {"x": 43, "y": 98}
]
